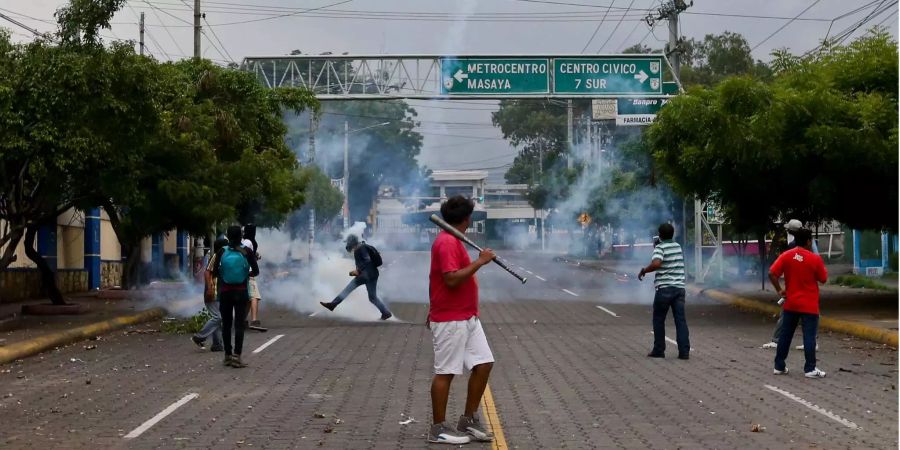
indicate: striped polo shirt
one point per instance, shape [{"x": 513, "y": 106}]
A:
[{"x": 671, "y": 273}]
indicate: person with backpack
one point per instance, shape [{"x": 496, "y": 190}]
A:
[
  {"x": 234, "y": 266},
  {"x": 368, "y": 260}
]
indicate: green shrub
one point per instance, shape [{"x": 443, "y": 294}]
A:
[
  {"x": 859, "y": 281},
  {"x": 192, "y": 324}
]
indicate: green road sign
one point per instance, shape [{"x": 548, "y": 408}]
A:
[
  {"x": 607, "y": 75},
  {"x": 495, "y": 76},
  {"x": 638, "y": 111}
]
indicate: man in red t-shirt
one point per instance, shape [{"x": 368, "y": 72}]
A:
[
  {"x": 802, "y": 270},
  {"x": 459, "y": 341}
]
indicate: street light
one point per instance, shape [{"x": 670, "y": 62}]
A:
[{"x": 346, "y": 183}]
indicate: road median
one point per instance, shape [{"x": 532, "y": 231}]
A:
[
  {"x": 46, "y": 342},
  {"x": 849, "y": 327}
]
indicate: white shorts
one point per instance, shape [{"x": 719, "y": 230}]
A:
[
  {"x": 253, "y": 289},
  {"x": 459, "y": 346}
]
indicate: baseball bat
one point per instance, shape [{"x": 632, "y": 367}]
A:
[{"x": 448, "y": 228}]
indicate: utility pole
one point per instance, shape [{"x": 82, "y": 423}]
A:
[
  {"x": 141, "y": 28},
  {"x": 346, "y": 175},
  {"x": 312, "y": 161},
  {"x": 570, "y": 163},
  {"x": 197, "y": 17},
  {"x": 669, "y": 12}
]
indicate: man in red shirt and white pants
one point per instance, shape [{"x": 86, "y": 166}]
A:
[
  {"x": 459, "y": 341},
  {"x": 802, "y": 270}
]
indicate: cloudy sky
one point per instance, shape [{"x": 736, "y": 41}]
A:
[{"x": 236, "y": 29}]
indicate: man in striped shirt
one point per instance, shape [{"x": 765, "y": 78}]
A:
[{"x": 668, "y": 263}]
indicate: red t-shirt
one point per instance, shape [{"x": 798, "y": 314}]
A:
[
  {"x": 450, "y": 304},
  {"x": 803, "y": 270}
]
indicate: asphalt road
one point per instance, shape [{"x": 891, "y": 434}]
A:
[{"x": 571, "y": 372}]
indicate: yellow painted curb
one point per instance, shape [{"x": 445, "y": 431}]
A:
[
  {"x": 849, "y": 327},
  {"x": 493, "y": 419},
  {"x": 42, "y": 343}
]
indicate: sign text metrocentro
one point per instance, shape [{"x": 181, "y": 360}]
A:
[{"x": 587, "y": 76}]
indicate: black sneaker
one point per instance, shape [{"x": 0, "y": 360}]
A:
[
  {"x": 255, "y": 323},
  {"x": 656, "y": 355},
  {"x": 237, "y": 363},
  {"x": 198, "y": 342},
  {"x": 386, "y": 316},
  {"x": 684, "y": 356},
  {"x": 217, "y": 348},
  {"x": 327, "y": 305}
]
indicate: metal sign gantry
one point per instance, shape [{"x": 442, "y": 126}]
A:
[{"x": 348, "y": 77}]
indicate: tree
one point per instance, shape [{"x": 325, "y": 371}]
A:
[
  {"x": 719, "y": 56},
  {"x": 220, "y": 155},
  {"x": 802, "y": 146}
]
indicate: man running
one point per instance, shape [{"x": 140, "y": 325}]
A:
[
  {"x": 234, "y": 266},
  {"x": 802, "y": 270},
  {"x": 459, "y": 341},
  {"x": 366, "y": 273},
  {"x": 668, "y": 263}
]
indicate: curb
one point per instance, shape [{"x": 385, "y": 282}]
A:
[
  {"x": 39, "y": 344},
  {"x": 848, "y": 327}
]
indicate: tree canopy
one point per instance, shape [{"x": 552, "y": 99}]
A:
[{"x": 807, "y": 145}]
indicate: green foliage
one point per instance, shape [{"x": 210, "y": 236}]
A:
[
  {"x": 717, "y": 57},
  {"x": 806, "y": 145},
  {"x": 859, "y": 282},
  {"x": 190, "y": 325}
]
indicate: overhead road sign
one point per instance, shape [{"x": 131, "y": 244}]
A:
[
  {"x": 382, "y": 77},
  {"x": 607, "y": 76},
  {"x": 465, "y": 76}
]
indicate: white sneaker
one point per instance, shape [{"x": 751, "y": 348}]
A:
[
  {"x": 801, "y": 347},
  {"x": 780, "y": 372},
  {"x": 770, "y": 345},
  {"x": 442, "y": 434},
  {"x": 816, "y": 373}
]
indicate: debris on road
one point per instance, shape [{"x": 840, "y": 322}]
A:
[
  {"x": 319, "y": 415},
  {"x": 407, "y": 421},
  {"x": 90, "y": 347},
  {"x": 757, "y": 428}
]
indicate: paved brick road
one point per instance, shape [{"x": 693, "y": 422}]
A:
[{"x": 575, "y": 378}]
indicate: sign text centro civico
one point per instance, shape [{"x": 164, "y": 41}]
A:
[{"x": 591, "y": 76}]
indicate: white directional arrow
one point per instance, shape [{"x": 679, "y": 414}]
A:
[
  {"x": 460, "y": 75},
  {"x": 642, "y": 76}
]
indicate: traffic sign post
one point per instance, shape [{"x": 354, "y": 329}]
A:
[
  {"x": 607, "y": 76},
  {"x": 480, "y": 76}
]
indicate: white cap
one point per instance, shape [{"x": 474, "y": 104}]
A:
[{"x": 793, "y": 225}]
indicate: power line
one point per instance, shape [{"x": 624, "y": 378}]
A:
[
  {"x": 616, "y": 28},
  {"x": 598, "y": 27},
  {"x": 153, "y": 8},
  {"x": 785, "y": 25},
  {"x": 217, "y": 39},
  {"x": 285, "y": 15}
]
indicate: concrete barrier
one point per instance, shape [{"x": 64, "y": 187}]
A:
[
  {"x": 39, "y": 344},
  {"x": 849, "y": 327}
]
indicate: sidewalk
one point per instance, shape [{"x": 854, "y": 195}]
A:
[{"x": 102, "y": 306}]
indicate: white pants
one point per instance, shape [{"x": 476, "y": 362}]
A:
[{"x": 459, "y": 346}]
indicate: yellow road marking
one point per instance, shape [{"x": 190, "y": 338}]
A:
[{"x": 490, "y": 413}]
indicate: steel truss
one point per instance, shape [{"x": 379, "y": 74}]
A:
[{"x": 378, "y": 77}]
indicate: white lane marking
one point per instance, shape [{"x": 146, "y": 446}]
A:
[
  {"x": 162, "y": 415},
  {"x": 314, "y": 314},
  {"x": 529, "y": 272},
  {"x": 268, "y": 343},
  {"x": 671, "y": 341},
  {"x": 570, "y": 292},
  {"x": 813, "y": 407},
  {"x": 539, "y": 278},
  {"x": 607, "y": 311}
]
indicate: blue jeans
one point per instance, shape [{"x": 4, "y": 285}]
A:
[
  {"x": 213, "y": 326},
  {"x": 371, "y": 287},
  {"x": 665, "y": 298},
  {"x": 810, "y": 328}
]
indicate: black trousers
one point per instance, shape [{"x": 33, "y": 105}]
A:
[{"x": 234, "y": 307}]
